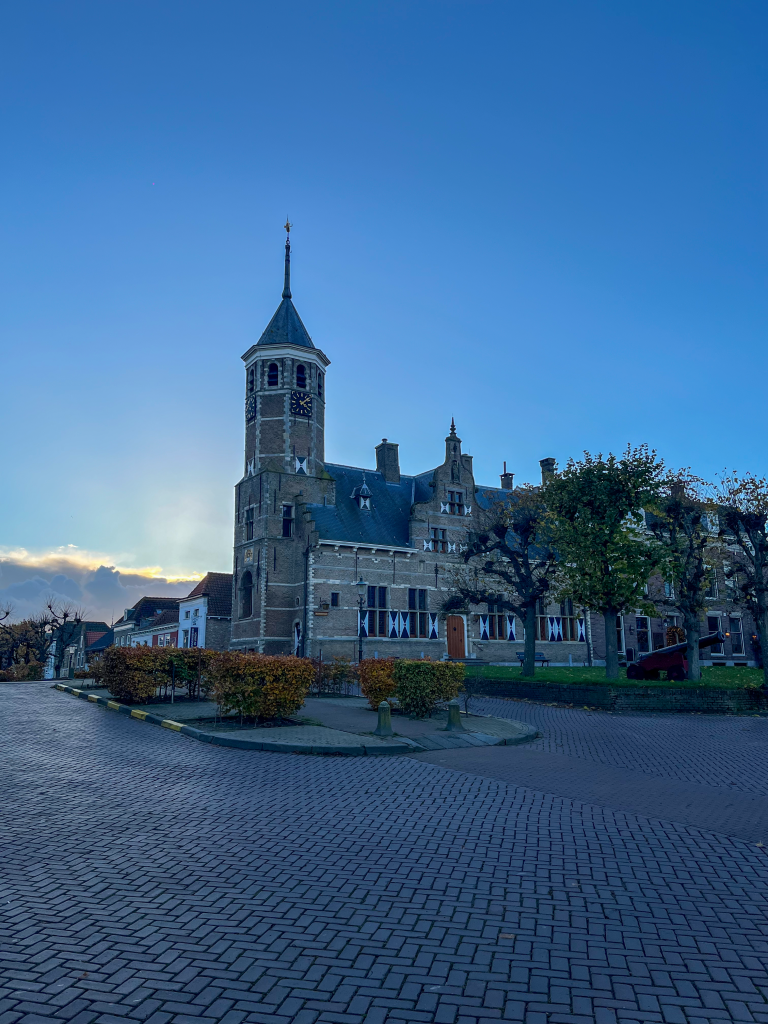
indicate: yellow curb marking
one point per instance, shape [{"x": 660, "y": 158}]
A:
[
  {"x": 139, "y": 714},
  {"x": 59, "y": 686},
  {"x": 168, "y": 723},
  {"x": 93, "y": 697},
  {"x": 113, "y": 704}
]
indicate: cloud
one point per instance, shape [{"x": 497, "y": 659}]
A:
[{"x": 78, "y": 578}]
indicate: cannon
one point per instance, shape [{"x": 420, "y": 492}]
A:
[{"x": 671, "y": 660}]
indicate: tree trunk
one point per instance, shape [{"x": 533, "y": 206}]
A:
[
  {"x": 692, "y": 633},
  {"x": 529, "y": 651},
  {"x": 611, "y": 646},
  {"x": 761, "y": 625}
]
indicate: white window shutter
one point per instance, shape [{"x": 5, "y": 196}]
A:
[
  {"x": 467, "y": 510},
  {"x": 443, "y": 507},
  {"x": 510, "y": 627},
  {"x": 427, "y": 545},
  {"x": 433, "y": 626},
  {"x": 451, "y": 547},
  {"x": 394, "y": 625},
  {"x": 558, "y": 628},
  {"x": 404, "y": 633},
  {"x": 552, "y": 633},
  {"x": 483, "y": 627},
  {"x": 362, "y": 624},
  {"x": 582, "y": 634}
]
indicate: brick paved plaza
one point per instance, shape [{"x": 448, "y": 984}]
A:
[{"x": 150, "y": 878}]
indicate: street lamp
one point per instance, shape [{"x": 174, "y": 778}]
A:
[{"x": 362, "y": 588}]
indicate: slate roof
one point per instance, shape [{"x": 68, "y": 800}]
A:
[
  {"x": 167, "y": 618},
  {"x": 217, "y": 587},
  {"x": 286, "y": 328},
  {"x": 385, "y": 524}
]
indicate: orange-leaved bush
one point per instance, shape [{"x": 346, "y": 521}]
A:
[
  {"x": 376, "y": 679},
  {"x": 259, "y": 685}
]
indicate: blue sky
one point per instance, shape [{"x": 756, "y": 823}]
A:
[{"x": 547, "y": 220}]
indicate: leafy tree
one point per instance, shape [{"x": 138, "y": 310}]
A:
[
  {"x": 599, "y": 533},
  {"x": 743, "y": 511},
  {"x": 34, "y": 638},
  {"x": 510, "y": 549},
  {"x": 680, "y": 523}
]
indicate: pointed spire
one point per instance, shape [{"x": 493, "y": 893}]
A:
[
  {"x": 287, "y": 285},
  {"x": 453, "y": 428}
]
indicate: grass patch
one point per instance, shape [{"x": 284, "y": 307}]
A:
[{"x": 718, "y": 677}]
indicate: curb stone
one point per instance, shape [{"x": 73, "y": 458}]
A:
[{"x": 239, "y": 742}]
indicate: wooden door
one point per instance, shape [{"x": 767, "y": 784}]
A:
[{"x": 455, "y": 628}]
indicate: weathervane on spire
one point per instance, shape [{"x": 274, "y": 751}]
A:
[{"x": 287, "y": 284}]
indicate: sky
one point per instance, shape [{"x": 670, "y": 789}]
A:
[{"x": 547, "y": 220}]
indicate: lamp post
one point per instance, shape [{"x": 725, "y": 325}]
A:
[{"x": 362, "y": 587}]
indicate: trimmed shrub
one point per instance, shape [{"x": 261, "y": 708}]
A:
[
  {"x": 258, "y": 685},
  {"x": 28, "y": 670},
  {"x": 128, "y": 673},
  {"x": 422, "y": 685},
  {"x": 376, "y": 680}
]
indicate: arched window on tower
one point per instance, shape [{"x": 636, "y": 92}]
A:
[
  {"x": 272, "y": 375},
  {"x": 246, "y": 596},
  {"x": 301, "y": 377},
  {"x": 319, "y": 385},
  {"x": 251, "y": 381}
]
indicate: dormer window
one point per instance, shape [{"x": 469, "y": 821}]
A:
[
  {"x": 362, "y": 497},
  {"x": 272, "y": 375},
  {"x": 301, "y": 377}
]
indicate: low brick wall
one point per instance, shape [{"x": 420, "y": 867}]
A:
[{"x": 704, "y": 700}]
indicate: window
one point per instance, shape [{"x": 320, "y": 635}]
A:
[
  {"x": 378, "y": 624},
  {"x": 497, "y": 624},
  {"x": 301, "y": 377},
  {"x": 249, "y": 530},
  {"x": 251, "y": 381},
  {"x": 438, "y": 540},
  {"x": 196, "y": 612},
  {"x": 669, "y": 590},
  {"x": 711, "y": 584},
  {"x": 418, "y": 620},
  {"x": 737, "y": 637},
  {"x": 334, "y": 600},
  {"x": 319, "y": 385},
  {"x": 569, "y": 622},
  {"x": 642, "y": 625},
  {"x": 713, "y": 625},
  {"x": 287, "y": 520},
  {"x": 272, "y": 375},
  {"x": 186, "y": 614},
  {"x": 246, "y": 596},
  {"x": 456, "y": 503}
]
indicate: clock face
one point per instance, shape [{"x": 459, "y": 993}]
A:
[
  {"x": 301, "y": 404},
  {"x": 250, "y": 408}
]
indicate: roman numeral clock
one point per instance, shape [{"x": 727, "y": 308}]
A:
[{"x": 301, "y": 404}]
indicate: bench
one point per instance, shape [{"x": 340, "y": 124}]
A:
[{"x": 539, "y": 658}]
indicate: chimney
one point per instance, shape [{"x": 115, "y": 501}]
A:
[
  {"x": 507, "y": 480},
  {"x": 547, "y": 470},
  {"x": 388, "y": 461}
]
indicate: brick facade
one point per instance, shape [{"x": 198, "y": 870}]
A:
[{"x": 306, "y": 531}]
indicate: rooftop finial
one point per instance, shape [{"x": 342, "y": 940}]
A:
[
  {"x": 453, "y": 428},
  {"x": 287, "y": 285}
]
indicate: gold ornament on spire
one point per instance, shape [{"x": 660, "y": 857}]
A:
[{"x": 288, "y": 226}]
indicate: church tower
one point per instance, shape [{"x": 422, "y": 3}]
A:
[{"x": 283, "y": 469}]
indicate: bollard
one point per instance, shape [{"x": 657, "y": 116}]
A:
[
  {"x": 454, "y": 719},
  {"x": 384, "y": 727}
]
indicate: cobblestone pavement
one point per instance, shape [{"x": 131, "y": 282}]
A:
[{"x": 150, "y": 878}]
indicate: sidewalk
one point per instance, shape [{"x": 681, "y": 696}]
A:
[{"x": 325, "y": 725}]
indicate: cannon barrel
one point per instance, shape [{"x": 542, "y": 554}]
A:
[{"x": 704, "y": 641}]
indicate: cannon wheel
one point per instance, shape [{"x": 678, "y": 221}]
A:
[
  {"x": 635, "y": 672},
  {"x": 676, "y": 674}
]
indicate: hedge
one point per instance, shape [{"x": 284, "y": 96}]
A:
[
  {"x": 134, "y": 674},
  {"x": 376, "y": 680},
  {"x": 419, "y": 686},
  {"x": 259, "y": 685}
]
